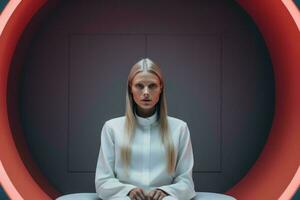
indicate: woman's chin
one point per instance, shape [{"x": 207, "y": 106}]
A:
[{"x": 147, "y": 107}]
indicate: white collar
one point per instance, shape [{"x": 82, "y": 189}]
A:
[{"x": 147, "y": 121}]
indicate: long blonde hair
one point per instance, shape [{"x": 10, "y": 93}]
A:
[{"x": 161, "y": 106}]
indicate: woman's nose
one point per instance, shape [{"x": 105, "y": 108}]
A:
[{"x": 146, "y": 91}]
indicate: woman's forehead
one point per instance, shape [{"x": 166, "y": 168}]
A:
[{"x": 145, "y": 77}]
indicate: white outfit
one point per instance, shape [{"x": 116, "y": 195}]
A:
[{"x": 147, "y": 169}]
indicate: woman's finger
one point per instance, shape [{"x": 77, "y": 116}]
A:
[
  {"x": 139, "y": 198},
  {"x": 161, "y": 196},
  {"x": 143, "y": 193},
  {"x": 139, "y": 195},
  {"x": 156, "y": 195},
  {"x": 134, "y": 196},
  {"x": 150, "y": 195}
]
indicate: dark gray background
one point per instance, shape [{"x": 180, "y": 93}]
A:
[{"x": 218, "y": 78}]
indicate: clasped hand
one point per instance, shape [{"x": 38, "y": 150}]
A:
[{"x": 139, "y": 194}]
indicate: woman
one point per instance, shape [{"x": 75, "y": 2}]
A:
[{"x": 145, "y": 154}]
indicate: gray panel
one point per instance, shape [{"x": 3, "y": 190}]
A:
[
  {"x": 191, "y": 65},
  {"x": 99, "y": 66}
]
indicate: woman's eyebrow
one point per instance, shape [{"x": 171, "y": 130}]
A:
[{"x": 150, "y": 82}]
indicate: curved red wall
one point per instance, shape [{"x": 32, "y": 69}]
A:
[{"x": 276, "y": 172}]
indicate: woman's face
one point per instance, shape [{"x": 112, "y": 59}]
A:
[{"x": 146, "y": 89}]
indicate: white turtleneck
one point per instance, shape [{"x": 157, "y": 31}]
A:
[
  {"x": 147, "y": 169},
  {"x": 147, "y": 121}
]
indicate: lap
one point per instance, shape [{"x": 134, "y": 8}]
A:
[{"x": 94, "y": 196}]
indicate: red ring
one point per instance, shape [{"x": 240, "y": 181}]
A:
[{"x": 275, "y": 175}]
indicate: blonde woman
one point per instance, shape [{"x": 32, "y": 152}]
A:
[{"x": 145, "y": 154}]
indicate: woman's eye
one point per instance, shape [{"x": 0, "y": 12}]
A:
[
  {"x": 152, "y": 86},
  {"x": 140, "y": 86}
]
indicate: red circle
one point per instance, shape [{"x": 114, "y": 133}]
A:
[{"x": 273, "y": 176}]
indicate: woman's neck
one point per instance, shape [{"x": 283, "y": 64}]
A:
[{"x": 145, "y": 113}]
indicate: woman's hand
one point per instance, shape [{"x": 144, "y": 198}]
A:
[
  {"x": 137, "y": 194},
  {"x": 157, "y": 194}
]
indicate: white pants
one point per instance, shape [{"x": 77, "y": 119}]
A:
[{"x": 200, "y": 196}]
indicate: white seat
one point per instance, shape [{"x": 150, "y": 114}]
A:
[
  {"x": 212, "y": 196},
  {"x": 81, "y": 196},
  {"x": 93, "y": 196}
]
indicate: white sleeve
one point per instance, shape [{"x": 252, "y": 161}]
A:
[
  {"x": 183, "y": 184},
  {"x": 107, "y": 185}
]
